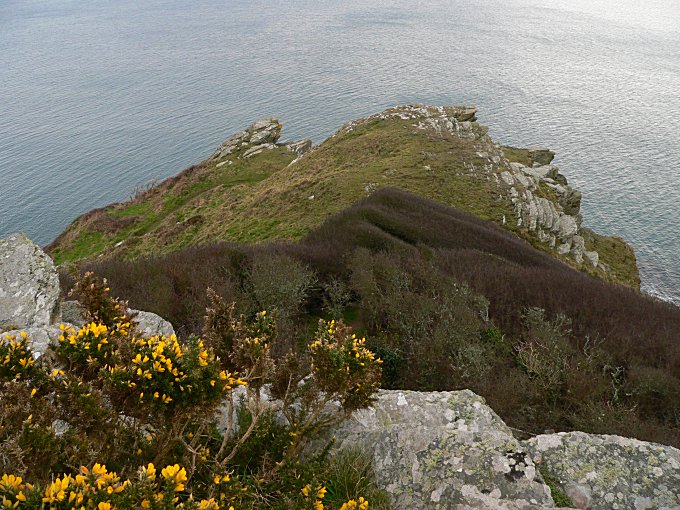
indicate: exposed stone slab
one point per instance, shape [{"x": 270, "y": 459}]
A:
[
  {"x": 604, "y": 472},
  {"x": 29, "y": 284},
  {"x": 444, "y": 450}
]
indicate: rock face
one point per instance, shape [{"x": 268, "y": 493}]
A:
[
  {"x": 556, "y": 220},
  {"x": 610, "y": 472},
  {"x": 444, "y": 450},
  {"x": 29, "y": 285}
]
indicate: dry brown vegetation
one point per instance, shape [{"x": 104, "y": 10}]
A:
[{"x": 453, "y": 301}]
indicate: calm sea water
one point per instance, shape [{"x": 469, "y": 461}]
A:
[{"x": 98, "y": 96}]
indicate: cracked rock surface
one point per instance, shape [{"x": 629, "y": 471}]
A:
[
  {"x": 29, "y": 285},
  {"x": 444, "y": 450},
  {"x": 610, "y": 472}
]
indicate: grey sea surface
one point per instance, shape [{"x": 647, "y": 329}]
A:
[{"x": 99, "y": 96}]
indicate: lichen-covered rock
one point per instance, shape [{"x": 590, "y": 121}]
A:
[
  {"x": 150, "y": 324},
  {"x": 444, "y": 450},
  {"x": 29, "y": 285},
  {"x": 610, "y": 472}
]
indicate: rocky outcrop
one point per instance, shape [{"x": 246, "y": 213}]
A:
[
  {"x": 449, "y": 450},
  {"x": 261, "y": 136},
  {"x": 444, "y": 450},
  {"x": 29, "y": 285},
  {"x": 603, "y": 472},
  {"x": 541, "y": 155}
]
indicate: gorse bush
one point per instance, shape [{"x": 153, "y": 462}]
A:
[{"x": 80, "y": 421}]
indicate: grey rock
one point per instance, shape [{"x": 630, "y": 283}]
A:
[
  {"x": 564, "y": 248},
  {"x": 257, "y": 149},
  {"x": 524, "y": 180},
  {"x": 541, "y": 155},
  {"x": 299, "y": 147},
  {"x": 566, "y": 227},
  {"x": 150, "y": 324},
  {"x": 507, "y": 178},
  {"x": 578, "y": 248},
  {"x": 29, "y": 285},
  {"x": 72, "y": 313},
  {"x": 605, "y": 472},
  {"x": 570, "y": 201},
  {"x": 445, "y": 450},
  {"x": 263, "y": 132},
  {"x": 593, "y": 257}
]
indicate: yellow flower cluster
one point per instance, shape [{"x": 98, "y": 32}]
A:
[
  {"x": 97, "y": 488},
  {"x": 317, "y": 495},
  {"x": 162, "y": 370},
  {"x": 16, "y": 356},
  {"x": 91, "y": 344},
  {"x": 12, "y": 490},
  {"x": 360, "y": 504},
  {"x": 176, "y": 475},
  {"x": 82, "y": 490}
]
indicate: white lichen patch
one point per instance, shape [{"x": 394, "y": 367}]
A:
[{"x": 605, "y": 471}]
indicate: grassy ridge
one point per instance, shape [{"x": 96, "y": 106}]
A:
[{"x": 268, "y": 198}]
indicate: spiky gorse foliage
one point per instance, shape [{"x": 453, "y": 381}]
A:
[{"x": 108, "y": 394}]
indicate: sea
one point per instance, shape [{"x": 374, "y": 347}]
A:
[{"x": 101, "y": 97}]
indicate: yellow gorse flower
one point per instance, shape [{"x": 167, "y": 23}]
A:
[
  {"x": 176, "y": 475},
  {"x": 352, "y": 504}
]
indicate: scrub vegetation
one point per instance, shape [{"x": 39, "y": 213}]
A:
[{"x": 448, "y": 301}]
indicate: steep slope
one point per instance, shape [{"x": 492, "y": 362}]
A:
[{"x": 253, "y": 189}]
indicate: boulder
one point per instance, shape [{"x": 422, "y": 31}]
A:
[
  {"x": 29, "y": 284},
  {"x": 541, "y": 155},
  {"x": 150, "y": 324},
  {"x": 445, "y": 450},
  {"x": 610, "y": 472}
]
